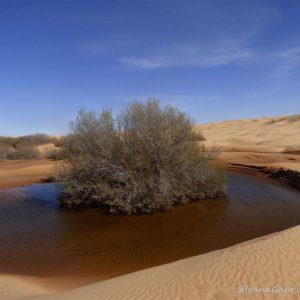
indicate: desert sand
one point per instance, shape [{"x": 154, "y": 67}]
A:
[
  {"x": 279, "y": 133},
  {"x": 15, "y": 173},
  {"x": 269, "y": 142},
  {"x": 268, "y": 262}
]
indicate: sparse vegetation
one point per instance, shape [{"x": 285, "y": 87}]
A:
[
  {"x": 25, "y": 152},
  {"x": 25, "y": 147},
  {"x": 4, "y": 150},
  {"x": 146, "y": 159},
  {"x": 33, "y": 139},
  {"x": 242, "y": 142}
]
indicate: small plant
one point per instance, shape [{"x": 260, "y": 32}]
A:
[{"x": 146, "y": 159}]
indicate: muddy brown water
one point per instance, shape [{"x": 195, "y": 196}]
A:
[{"x": 39, "y": 239}]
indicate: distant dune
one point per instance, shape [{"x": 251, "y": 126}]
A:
[
  {"x": 269, "y": 262},
  {"x": 269, "y": 142},
  {"x": 277, "y": 132}
]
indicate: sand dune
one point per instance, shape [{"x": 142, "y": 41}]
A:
[
  {"x": 276, "y": 132},
  {"x": 267, "y": 262},
  {"x": 269, "y": 142}
]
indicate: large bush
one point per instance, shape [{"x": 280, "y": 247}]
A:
[{"x": 146, "y": 159}]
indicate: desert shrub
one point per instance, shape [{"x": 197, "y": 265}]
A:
[
  {"x": 52, "y": 153},
  {"x": 146, "y": 159},
  {"x": 4, "y": 150},
  {"x": 22, "y": 141},
  {"x": 58, "y": 142},
  {"x": 25, "y": 147},
  {"x": 8, "y": 141},
  {"x": 26, "y": 152},
  {"x": 33, "y": 139}
]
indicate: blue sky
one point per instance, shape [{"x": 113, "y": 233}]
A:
[{"x": 217, "y": 60}]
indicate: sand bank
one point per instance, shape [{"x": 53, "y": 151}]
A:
[{"x": 15, "y": 173}]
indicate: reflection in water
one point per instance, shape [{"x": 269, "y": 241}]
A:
[{"x": 38, "y": 238}]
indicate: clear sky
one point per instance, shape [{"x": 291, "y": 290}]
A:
[{"x": 217, "y": 60}]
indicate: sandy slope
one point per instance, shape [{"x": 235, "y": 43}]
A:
[
  {"x": 272, "y": 142},
  {"x": 281, "y": 132},
  {"x": 261, "y": 263}
]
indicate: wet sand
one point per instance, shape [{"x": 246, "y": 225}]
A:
[{"x": 15, "y": 173}]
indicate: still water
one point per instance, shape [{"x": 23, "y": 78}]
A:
[{"x": 37, "y": 238}]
